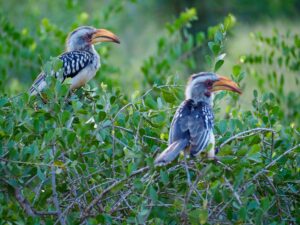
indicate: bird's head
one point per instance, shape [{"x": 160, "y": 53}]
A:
[
  {"x": 202, "y": 85},
  {"x": 83, "y": 38}
]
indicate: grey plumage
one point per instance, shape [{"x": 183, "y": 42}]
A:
[
  {"x": 192, "y": 126},
  {"x": 73, "y": 63},
  {"x": 170, "y": 153},
  {"x": 80, "y": 61},
  {"x": 191, "y": 129}
]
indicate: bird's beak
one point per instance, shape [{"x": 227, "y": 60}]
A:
[
  {"x": 102, "y": 35},
  {"x": 224, "y": 83}
]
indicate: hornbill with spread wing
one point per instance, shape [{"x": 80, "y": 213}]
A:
[
  {"x": 80, "y": 61},
  {"x": 192, "y": 126}
]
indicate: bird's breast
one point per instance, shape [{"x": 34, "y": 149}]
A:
[{"x": 83, "y": 76}]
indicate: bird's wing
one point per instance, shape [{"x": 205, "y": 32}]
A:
[
  {"x": 179, "y": 126},
  {"x": 191, "y": 127},
  {"x": 73, "y": 63},
  {"x": 200, "y": 126},
  {"x": 194, "y": 123}
]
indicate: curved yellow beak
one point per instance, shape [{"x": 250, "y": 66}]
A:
[
  {"x": 225, "y": 83},
  {"x": 102, "y": 35}
]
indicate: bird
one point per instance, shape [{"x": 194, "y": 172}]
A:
[
  {"x": 80, "y": 61},
  {"x": 191, "y": 129}
]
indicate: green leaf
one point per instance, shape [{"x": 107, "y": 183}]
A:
[
  {"x": 168, "y": 96},
  {"x": 203, "y": 216},
  {"x": 101, "y": 115},
  {"x": 242, "y": 213},
  {"x": 229, "y": 21},
  {"x": 153, "y": 193},
  {"x": 222, "y": 126},
  {"x": 214, "y": 47},
  {"x": 254, "y": 153},
  {"x": 164, "y": 177},
  {"x": 138, "y": 184},
  {"x": 3, "y": 101},
  {"x": 57, "y": 64},
  {"x": 198, "y": 216},
  {"x": 40, "y": 174},
  {"x": 218, "y": 36},
  {"x": 236, "y": 70},
  {"x": 218, "y": 65},
  {"x": 200, "y": 37},
  {"x": 150, "y": 102}
]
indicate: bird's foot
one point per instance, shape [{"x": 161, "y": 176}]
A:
[
  {"x": 216, "y": 159},
  {"x": 88, "y": 96},
  {"x": 217, "y": 149}
]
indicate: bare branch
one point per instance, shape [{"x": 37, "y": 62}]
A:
[
  {"x": 30, "y": 211},
  {"x": 24, "y": 203}
]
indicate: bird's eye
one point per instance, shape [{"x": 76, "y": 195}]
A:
[
  {"x": 88, "y": 37},
  {"x": 209, "y": 83}
]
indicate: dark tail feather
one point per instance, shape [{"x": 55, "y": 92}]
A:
[{"x": 170, "y": 153}]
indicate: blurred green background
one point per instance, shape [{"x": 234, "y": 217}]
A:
[{"x": 45, "y": 24}]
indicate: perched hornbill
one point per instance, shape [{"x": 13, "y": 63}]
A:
[
  {"x": 192, "y": 126},
  {"x": 80, "y": 61}
]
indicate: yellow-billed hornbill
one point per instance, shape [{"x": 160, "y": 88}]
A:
[
  {"x": 80, "y": 61},
  {"x": 192, "y": 126}
]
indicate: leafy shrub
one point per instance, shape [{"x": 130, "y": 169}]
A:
[{"x": 89, "y": 157}]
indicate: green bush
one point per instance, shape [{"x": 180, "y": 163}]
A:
[{"x": 89, "y": 157}]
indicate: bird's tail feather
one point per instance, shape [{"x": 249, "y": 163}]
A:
[
  {"x": 38, "y": 84},
  {"x": 170, "y": 153}
]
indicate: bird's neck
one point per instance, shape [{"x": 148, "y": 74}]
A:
[
  {"x": 203, "y": 98},
  {"x": 88, "y": 48}
]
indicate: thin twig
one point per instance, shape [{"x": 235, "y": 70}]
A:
[
  {"x": 255, "y": 130},
  {"x": 224, "y": 207},
  {"x": 27, "y": 163},
  {"x": 54, "y": 192},
  {"x": 274, "y": 161},
  {"x": 272, "y": 146},
  {"x": 77, "y": 199},
  {"x": 108, "y": 189},
  {"x": 187, "y": 171},
  {"x": 122, "y": 199},
  {"x": 160, "y": 87},
  {"x": 233, "y": 191}
]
